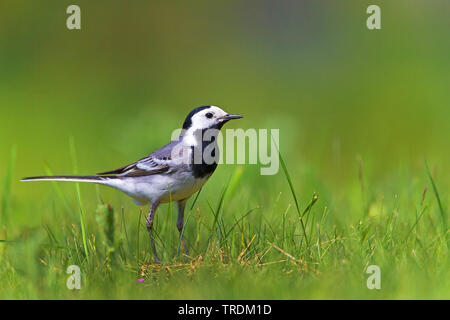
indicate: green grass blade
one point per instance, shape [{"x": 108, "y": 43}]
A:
[
  {"x": 415, "y": 223},
  {"x": 219, "y": 207},
  {"x": 137, "y": 237},
  {"x": 233, "y": 183},
  {"x": 441, "y": 208},
  {"x": 59, "y": 193},
  {"x": 291, "y": 186},
  {"x": 80, "y": 203},
  {"x": 239, "y": 220},
  {"x": 195, "y": 200}
]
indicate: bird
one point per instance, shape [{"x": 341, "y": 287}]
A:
[{"x": 174, "y": 172}]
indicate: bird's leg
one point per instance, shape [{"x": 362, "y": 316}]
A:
[
  {"x": 180, "y": 222},
  {"x": 149, "y": 224}
]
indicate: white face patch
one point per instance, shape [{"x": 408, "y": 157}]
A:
[{"x": 207, "y": 118}]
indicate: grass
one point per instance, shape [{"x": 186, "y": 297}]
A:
[
  {"x": 445, "y": 230},
  {"x": 267, "y": 251},
  {"x": 78, "y": 192}
]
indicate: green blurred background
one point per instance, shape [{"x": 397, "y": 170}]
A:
[{"x": 345, "y": 98}]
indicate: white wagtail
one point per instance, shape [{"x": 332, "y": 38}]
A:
[{"x": 171, "y": 173}]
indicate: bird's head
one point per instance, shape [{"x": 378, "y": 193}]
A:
[{"x": 207, "y": 117}]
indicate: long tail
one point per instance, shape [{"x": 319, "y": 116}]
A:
[{"x": 96, "y": 179}]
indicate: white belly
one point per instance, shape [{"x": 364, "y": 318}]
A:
[{"x": 159, "y": 187}]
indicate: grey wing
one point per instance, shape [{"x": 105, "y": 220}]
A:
[{"x": 157, "y": 162}]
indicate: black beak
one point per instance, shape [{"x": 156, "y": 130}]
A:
[{"x": 230, "y": 116}]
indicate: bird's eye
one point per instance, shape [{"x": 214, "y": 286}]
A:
[{"x": 209, "y": 115}]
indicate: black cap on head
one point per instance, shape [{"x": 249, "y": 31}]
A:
[{"x": 188, "y": 122}]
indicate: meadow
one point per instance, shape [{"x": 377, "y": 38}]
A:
[{"x": 364, "y": 149}]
